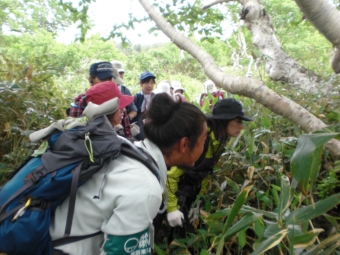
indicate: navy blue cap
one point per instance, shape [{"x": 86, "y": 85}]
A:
[
  {"x": 102, "y": 70},
  {"x": 147, "y": 74}
]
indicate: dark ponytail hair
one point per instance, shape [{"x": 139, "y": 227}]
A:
[{"x": 167, "y": 122}]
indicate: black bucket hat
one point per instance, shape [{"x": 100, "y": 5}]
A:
[{"x": 228, "y": 109}]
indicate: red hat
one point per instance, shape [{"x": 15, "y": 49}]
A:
[{"x": 105, "y": 91}]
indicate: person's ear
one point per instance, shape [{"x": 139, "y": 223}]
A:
[{"x": 184, "y": 145}]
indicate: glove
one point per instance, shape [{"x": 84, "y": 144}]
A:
[
  {"x": 194, "y": 212},
  {"x": 135, "y": 130},
  {"x": 175, "y": 218}
]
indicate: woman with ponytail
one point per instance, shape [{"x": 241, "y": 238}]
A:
[{"x": 114, "y": 209}]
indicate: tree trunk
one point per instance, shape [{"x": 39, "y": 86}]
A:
[
  {"x": 326, "y": 18},
  {"x": 241, "y": 85},
  {"x": 279, "y": 65}
]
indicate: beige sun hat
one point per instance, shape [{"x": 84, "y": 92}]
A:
[
  {"x": 177, "y": 86},
  {"x": 209, "y": 87},
  {"x": 116, "y": 78},
  {"x": 163, "y": 87},
  {"x": 119, "y": 66}
]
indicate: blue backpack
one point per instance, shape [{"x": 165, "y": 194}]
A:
[{"x": 63, "y": 162}]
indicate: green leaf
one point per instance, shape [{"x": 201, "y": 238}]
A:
[
  {"x": 266, "y": 122},
  {"x": 307, "y": 239},
  {"x": 242, "y": 224},
  {"x": 270, "y": 242},
  {"x": 241, "y": 198},
  {"x": 271, "y": 230},
  {"x": 285, "y": 197},
  {"x": 262, "y": 196},
  {"x": 259, "y": 227},
  {"x": 275, "y": 194},
  {"x": 204, "y": 252},
  {"x": 233, "y": 185},
  {"x": 270, "y": 215},
  {"x": 312, "y": 211},
  {"x": 333, "y": 220},
  {"x": 306, "y": 161},
  {"x": 251, "y": 145},
  {"x": 242, "y": 238},
  {"x": 330, "y": 243}
]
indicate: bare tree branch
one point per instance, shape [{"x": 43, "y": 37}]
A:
[
  {"x": 241, "y": 85},
  {"x": 212, "y": 3}
]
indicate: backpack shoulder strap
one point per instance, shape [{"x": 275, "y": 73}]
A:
[
  {"x": 132, "y": 151},
  {"x": 72, "y": 239},
  {"x": 139, "y": 97}
]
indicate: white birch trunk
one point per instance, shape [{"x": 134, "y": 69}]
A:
[
  {"x": 326, "y": 18},
  {"x": 279, "y": 65},
  {"x": 240, "y": 85}
]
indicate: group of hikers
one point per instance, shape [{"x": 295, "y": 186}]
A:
[
  {"x": 185, "y": 143},
  {"x": 124, "y": 205}
]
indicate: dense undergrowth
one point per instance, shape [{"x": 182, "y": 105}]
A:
[{"x": 253, "y": 203}]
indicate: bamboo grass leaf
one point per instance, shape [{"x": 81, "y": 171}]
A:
[
  {"x": 271, "y": 230},
  {"x": 329, "y": 250},
  {"x": 240, "y": 200},
  {"x": 312, "y": 211},
  {"x": 242, "y": 238},
  {"x": 327, "y": 246},
  {"x": 306, "y": 160},
  {"x": 258, "y": 227},
  {"x": 285, "y": 197},
  {"x": 307, "y": 239},
  {"x": 242, "y": 224},
  {"x": 270, "y": 242}
]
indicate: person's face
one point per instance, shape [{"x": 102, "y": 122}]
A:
[
  {"x": 116, "y": 118},
  {"x": 234, "y": 127},
  {"x": 189, "y": 156},
  {"x": 121, "y": 74},
  {"x": 172, "y": 91},
  {"x": 179, "y": 91},
  {"x": 94, "y": 81},
  {"x": 147, "y": 87}
]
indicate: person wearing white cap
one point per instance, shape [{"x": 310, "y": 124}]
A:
[
  {"x": 163, "y": 87},
  {"x": 131, "y": 109},
  {"x": 177, "y": 87},
  {"x": 210, "y": 88},
  {"x": 120, "y": 68}
]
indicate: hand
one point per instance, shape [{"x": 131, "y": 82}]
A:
[
  {"x": 194, "y": 212},
  {"x": 175, "y": 218}
]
